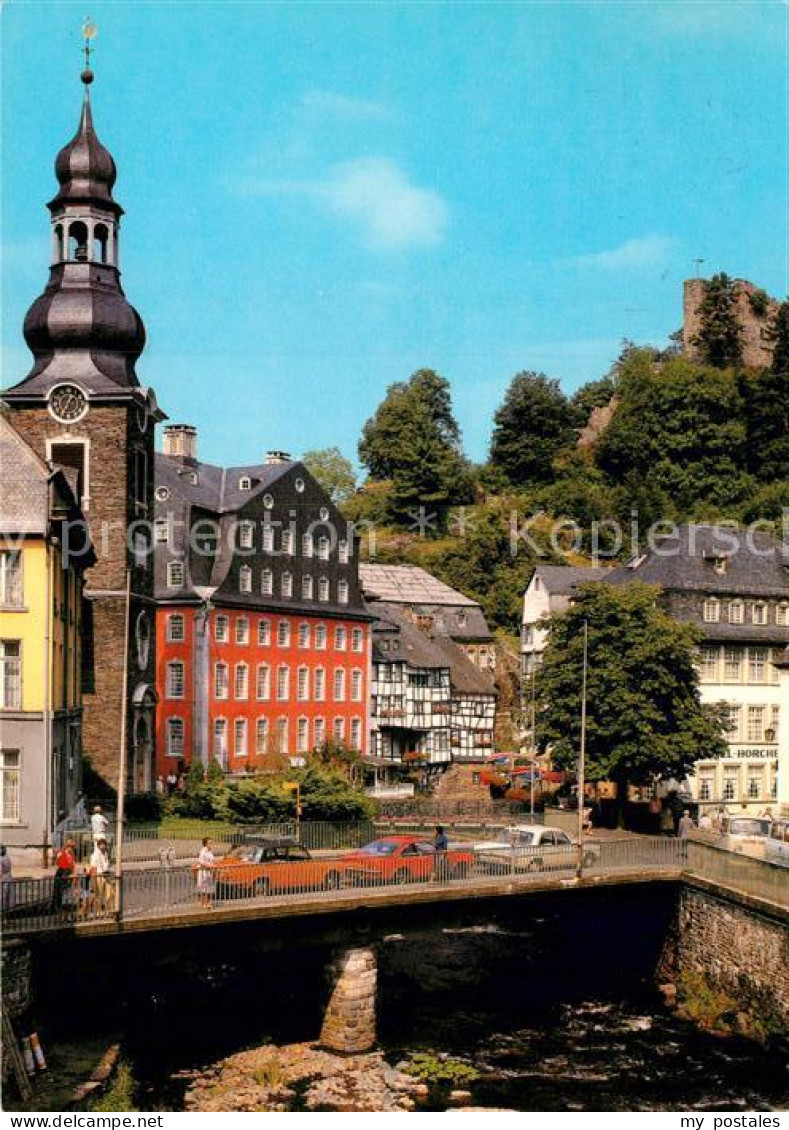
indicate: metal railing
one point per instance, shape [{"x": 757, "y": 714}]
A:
[
  {"x": 760, "y": 878},
  {"x": 148, "y": 845},
  {"x": 176, "y": 888}
]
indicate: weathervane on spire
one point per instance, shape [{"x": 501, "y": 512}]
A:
[{"x": 89, "y": 31}]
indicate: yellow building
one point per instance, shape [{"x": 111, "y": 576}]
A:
[{"x": 44, "y": 550}]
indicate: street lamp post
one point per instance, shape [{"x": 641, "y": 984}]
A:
[
  {"x": 582, "y": 756},
  {"x": 533, "y": 732}
]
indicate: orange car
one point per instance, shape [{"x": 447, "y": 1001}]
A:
[
  {"x": 269, "y": 866},
  {"x": 404, "y": 859}
]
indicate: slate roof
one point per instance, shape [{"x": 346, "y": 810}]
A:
[
  {"x": 408, "y": 584},
  {"x": 756, "y": 564},
  {"x": 453, "y": 613},
  {"x": 560, "y": 580},
  {"x": 409, "y": 644},
  {"x": 202, "y": 497}
]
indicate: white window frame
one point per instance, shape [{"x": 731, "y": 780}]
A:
[
  {"x": 175, "y": 675},
  {"x": 175, "y": 570},
  {"x": 240, "y": 737},
  {"x": 263, "y": 682},
  {"x": 242, "y": 631},
  {"x": 10, "y": 785},
  {"x": 264, "y": 633},
  {"x": 267, "y": 582},
  {"x": 174, "y": 747},
  {"x": 11, "y": 665},
  {"x": 283, "y": 682},
  {"x": 283, "y": 633},
  {"x": 241, "y": 682},
  {"x": 222, "y": 629},
  {"x": 221, "y": 681},
  {"x": 245, "y": 579},
  {"x": 176, "y": 618}
]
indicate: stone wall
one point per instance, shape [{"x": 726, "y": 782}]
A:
[
  {"x": 733, "y": 950},
  {"x": 757, "y": 348},
  {"x": 15, "y": 970},
  {"x": 349, "y": 1024}
]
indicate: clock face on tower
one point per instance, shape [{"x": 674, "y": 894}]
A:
[{"x": 68, "y": 403}]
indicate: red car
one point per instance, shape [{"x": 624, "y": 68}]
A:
[{"x": 404, "y": 859}]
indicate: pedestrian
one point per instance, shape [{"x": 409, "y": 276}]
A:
[
  {"x": 586, "y": 820},
  {"x": 160, "y": 785},
  {"x": 686, "y": 825},
  {"x": 206, "y": 862},
  {"x": 440, "y": 846},
  {"x": 80, "y": 811},
  {"x": 705, "y": 822},
  {"x": 767, "y": 815},
  {"x": 6, "y": 877},
  {"x": 172, "y": 781},
  {"x": 99, "y": 824},
  {"x": 720, "y": 818},
  {"x": 181, "y": 783},
  {"x": 100, "y": 872},
  {"x": 65, "y": 870}
]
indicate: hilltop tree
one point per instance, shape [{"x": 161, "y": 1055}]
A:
[
  {"x": 678, "y": 430},
  {"x": 644, "y": 714},
  {"x": 332, "y": 470},
  {"x": 766, "y": 396},
  {"x": 413, "y": 441},
  {"x": 719, "y": 340},
  {"x": 534, "y": 423}
]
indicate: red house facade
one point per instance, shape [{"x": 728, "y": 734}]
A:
[{"x": 263, "y": 638}]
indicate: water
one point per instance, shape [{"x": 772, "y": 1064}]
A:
[
  {"x": 597, "y": 1055},
  {"x": 552, "y": 1000}
]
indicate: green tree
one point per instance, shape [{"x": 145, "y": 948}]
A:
[
  {"x": 534, "y": 423},
  {"x": 719, "y": 340},
  {"x": 679, "y": 429},
  {"x": 766, "y": 396},
  {"x": 333, "y": 471},
  {"x": 593, "y": 394},
  {"x": 413, "y": 440},
  {"x": 644, "y": 715}
]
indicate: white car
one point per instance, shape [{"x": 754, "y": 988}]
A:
[
  {"x": 532, "y": 847},
  {"x": 746, "y": 835},
  {"x": 776, "y": 847}
]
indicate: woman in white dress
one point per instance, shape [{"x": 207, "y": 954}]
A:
[{"x": 205, "y": 874}]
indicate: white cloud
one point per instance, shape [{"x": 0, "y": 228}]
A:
[
  {"x": 375, "y": 196},
  {"x": 329, "y": 104},
  {"x": 642, "y": 251}
]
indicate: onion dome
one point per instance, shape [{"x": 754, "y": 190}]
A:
[{"x": 84, "y": 168}]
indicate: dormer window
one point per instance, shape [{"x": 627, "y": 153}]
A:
[
  {"x": 175, "y": 574},
  {"x": 759, "y": 613},
  {"x": 267, "y": 582},
  {"x": 245, "y": 579},
  {"x": 782, "y": 614},
  {"x": 246, "y": 535},
  {"x": 711, "y": 610},
  {"x": 245, "y": 483},
  {"x": 736, "y": 612}
]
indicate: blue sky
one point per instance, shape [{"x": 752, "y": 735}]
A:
[{"x": 323, "y": 197}]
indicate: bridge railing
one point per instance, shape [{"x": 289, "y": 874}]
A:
[
  {"x": 176, "y": 888},
  {"x": 150, "y": 844},
  {"x": 761, "y": 878}
]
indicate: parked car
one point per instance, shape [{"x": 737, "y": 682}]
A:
[
  {"x": 404, "y": 859},
  {"x": 776, "y": 847},
  {"x": 747, "y": 835},
  {"x": 532, "y": 847},
  {"x": 268, "y": 866}
]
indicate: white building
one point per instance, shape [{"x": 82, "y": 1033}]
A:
[
  {"x": 734, "y": 587},
  {"x": 550, "y": 590}
]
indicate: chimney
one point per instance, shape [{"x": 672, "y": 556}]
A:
[
  {"x": 274, "y": 457},
  {"x": 180, "y": 441}
]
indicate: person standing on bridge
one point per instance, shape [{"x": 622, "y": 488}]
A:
[
  {"x": 99, "y": 825},
  {"x": 440, "y": 847},
  {"x": 65, "y": 871},
  {"x": 206, "y": 862},
  {"x": 100, "y": 871}
]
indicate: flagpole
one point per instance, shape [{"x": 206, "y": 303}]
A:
[
  {"x": 119, "y": 821},
  {"x": 582, "y": 755}
]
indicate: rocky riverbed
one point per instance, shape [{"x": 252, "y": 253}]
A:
[{"x": 301, "y": 1077}]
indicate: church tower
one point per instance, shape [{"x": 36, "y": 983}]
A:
[{"x": 81, "y": 406}]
